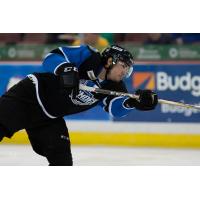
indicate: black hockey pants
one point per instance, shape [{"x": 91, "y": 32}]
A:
[
  {"x": 52, "y": 141},
  {"x": 48, "y": 137}
]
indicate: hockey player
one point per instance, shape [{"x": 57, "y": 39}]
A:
[{"x": 39, "y": 102}]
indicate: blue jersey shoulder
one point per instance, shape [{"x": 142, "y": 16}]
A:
[{"x": 67, "y": 54}]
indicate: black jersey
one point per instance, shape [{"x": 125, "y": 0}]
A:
[{"x": 41, "y": 97}]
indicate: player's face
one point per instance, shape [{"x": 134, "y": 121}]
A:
[{"x": 118, "y": 72}]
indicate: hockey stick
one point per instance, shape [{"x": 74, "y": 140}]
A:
[{"x": 115, "y": 93}]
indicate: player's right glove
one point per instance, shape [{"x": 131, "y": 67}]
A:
[
  {"x": 147, "y": 100},
  {"x": 69, "y": 78}
]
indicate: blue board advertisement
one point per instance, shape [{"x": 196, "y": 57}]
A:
[
  {"x": 10, "y": 74},
  {"x": 176, "y": 82}
]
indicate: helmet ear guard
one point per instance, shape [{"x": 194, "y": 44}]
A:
[{"x": 109, "y": 63}]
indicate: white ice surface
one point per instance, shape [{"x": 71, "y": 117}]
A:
[{"x": 23, "y": 155}]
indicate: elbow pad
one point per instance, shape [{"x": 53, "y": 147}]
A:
[{"x": 69, "y": 77}]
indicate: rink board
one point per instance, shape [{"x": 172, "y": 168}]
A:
[
  {"x": 175, "y": 135},
  {"x": 125, "y": 139},
  {"x": 163, "y": 127},
  {"x": 174, "y": 81}
]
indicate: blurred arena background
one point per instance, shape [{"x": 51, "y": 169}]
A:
[{"x": 168, "y": 63}]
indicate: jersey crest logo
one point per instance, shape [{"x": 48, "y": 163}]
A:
[{"x": 84, "y": 97}]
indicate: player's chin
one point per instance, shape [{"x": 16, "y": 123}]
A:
[{"x": 118, "y": 79}]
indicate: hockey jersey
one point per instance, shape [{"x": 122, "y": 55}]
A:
[{"x": 56, "y": 102}]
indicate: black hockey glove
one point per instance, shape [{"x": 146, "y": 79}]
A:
[
  {"x": 147, "y": 100},
  {"x": 69, "y": 78}
]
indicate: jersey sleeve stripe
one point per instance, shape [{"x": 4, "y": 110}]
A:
[
  {"x": 35, "y": 81},
  {"x": 66, "y": 58}
]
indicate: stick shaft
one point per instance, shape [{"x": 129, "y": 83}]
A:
[
  {"x": 180, "y": 104},
  {"x": 115, "y": 93}
]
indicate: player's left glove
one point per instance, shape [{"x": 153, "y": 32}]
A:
[{"x": 148, "y": 100}]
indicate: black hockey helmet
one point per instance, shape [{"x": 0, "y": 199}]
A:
[{"x": 118, "y": 53}]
